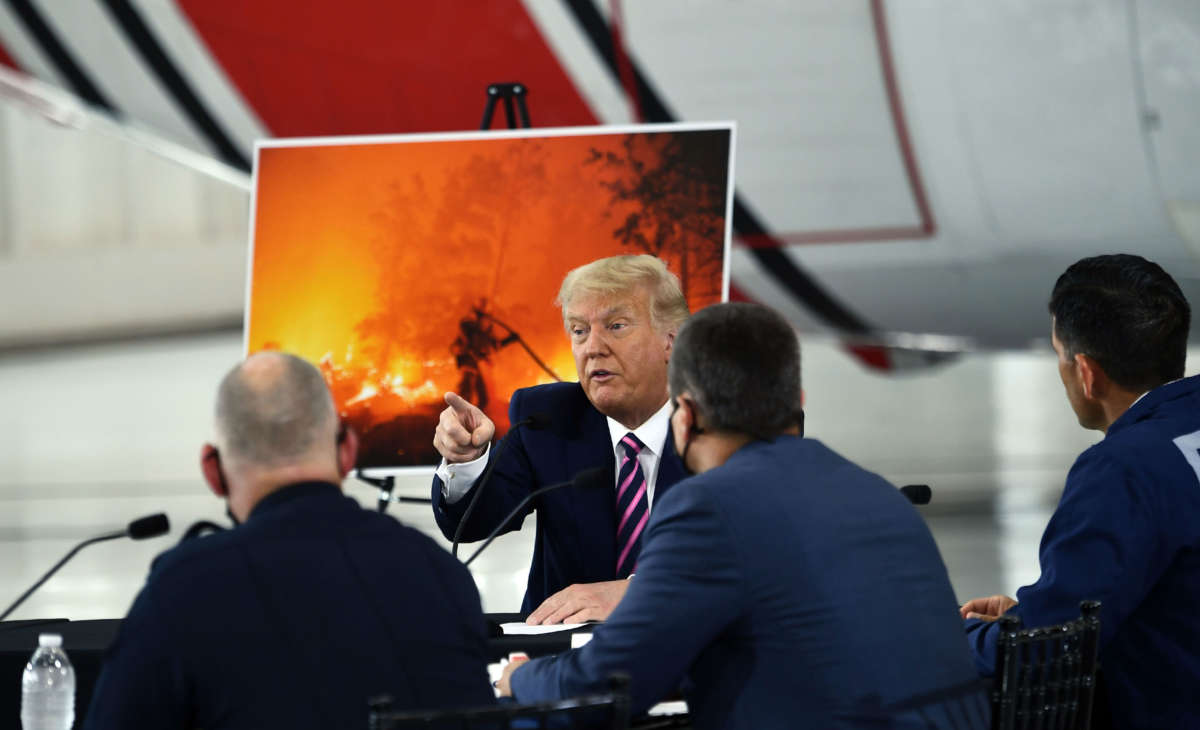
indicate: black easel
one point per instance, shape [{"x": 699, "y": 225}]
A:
[{"x": 508, "y": 92}]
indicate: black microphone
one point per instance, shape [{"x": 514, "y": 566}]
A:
[
  {"x": 587, "y": 478},
  {"x": 148, "y": 526},
  {"x": 139, "y": 529},
  {"x": 534, "y": 421},
  {"x": 917, "y": 493}
]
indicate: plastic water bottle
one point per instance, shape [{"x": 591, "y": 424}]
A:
[{"x": 48, "y": 687}]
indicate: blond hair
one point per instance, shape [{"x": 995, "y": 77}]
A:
[{"x": 623, "y": 274}]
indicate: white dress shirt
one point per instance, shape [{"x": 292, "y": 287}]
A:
[{"x": 653, "y": 434}]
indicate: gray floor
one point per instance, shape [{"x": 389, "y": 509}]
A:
[{"x": 94, "y": 436}]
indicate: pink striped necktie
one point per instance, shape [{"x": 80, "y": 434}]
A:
[{"x": 632, "y": 506}]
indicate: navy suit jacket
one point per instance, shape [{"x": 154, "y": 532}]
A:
[
  {"x": 576, "y": 538},
  {"x": 294, "y": 619},
  {"x": 794, "y": 589}
]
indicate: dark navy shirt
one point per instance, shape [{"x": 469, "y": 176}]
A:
[
  {"x": 1127, "y": 533},
  {"x": 293, "y": 620}
]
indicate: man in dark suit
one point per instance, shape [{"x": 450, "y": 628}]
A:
[
  {"x": 309, "y": 606},
  {"x": 621, "y": 314},
  {"x": 762, "y": 577}
]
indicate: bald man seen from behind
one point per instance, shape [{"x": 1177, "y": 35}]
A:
[{"x": 310, "y": 605}]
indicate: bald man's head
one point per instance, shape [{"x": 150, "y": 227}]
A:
[{"x": 273, "y": 410}]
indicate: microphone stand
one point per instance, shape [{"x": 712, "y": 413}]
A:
[
  {"x": 483, "y": 479},
  {"x": 139, "y": 529},
  {"x": 588, "y": 477},
  {"x": 107, "y": 536}
]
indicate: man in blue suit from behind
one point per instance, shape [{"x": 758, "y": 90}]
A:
[
  {"x": 762, "y": 577},
  {"x": 306, "y": 609},
  {"x": 1126, "y": 531},
  {"x": 621, "y": 314}
]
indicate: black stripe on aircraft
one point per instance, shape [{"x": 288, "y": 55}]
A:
[
  {"x": 778, "y": 264},
  {"x": 72, "y": 72},
  {"x": 156, "y": 58}
]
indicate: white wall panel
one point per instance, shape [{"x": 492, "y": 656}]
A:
[
  {"x": 1169, "y": 54},
  {"x": 816, "y": 145},
  {"x": 66, "y": 187},
  {"x": 104, "y": 238},
  {"x": 1047, "y": 91}
]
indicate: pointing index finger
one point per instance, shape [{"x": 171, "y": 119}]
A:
[
  {"x": 458, "y": 403},
  {"x": 468, "y": 415}
]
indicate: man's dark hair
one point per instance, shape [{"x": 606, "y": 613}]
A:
[
  {"x": 741, "y": 363},
  {"x": 1127, "y": 314}
]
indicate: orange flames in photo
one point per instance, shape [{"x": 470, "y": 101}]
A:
[{"x": 407, "y": 269}]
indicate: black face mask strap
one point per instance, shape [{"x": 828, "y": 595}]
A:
[
  {"x": 687, "y": 444},
  {"x": 216, "y": 455}
]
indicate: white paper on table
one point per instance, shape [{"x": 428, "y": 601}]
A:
[
  {"x": 580, "y": 638},
  {"x": 678, "y": 707},
  {"x": 520, "y": 628}
]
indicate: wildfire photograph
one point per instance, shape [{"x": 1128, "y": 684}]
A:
[{"x": 412, "y": 266}]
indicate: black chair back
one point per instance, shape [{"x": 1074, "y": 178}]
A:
[
  {"x": 1046, "y": 677},
  {"x": 608, "y": 711}
]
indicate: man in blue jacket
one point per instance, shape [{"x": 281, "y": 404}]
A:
[
  {"x": 307, "y": 608},
  {"x": 1127, "y": 528},
  {"x": 621, "y": 314},
  {"x": 762, "y": 577}
]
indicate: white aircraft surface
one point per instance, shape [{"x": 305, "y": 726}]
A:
[{"x": 912, "y": 175}]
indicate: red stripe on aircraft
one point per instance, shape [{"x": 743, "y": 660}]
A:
[
  {"x": 873, "y": 356},
  {"x": 365, "y": 67},
  {"x": 7, "y": 60},
  {"x": 927, "y": 225}
]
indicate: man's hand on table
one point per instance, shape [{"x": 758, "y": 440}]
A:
[
  {"x": 580, "y": 602},
  {"x": 988, "y": 609},
  {"x": 502, "y": 685}
]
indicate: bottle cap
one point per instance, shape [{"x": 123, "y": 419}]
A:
[{"x": 49, "y": 640}]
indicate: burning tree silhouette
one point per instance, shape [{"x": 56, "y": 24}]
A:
[
  {"x": 477, "y": 340},
  {"x": 671, "y": 189},
  {"x": 440, "y": 249}
]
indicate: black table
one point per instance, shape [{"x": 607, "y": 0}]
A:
[{"x": 86, "y": 641}]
